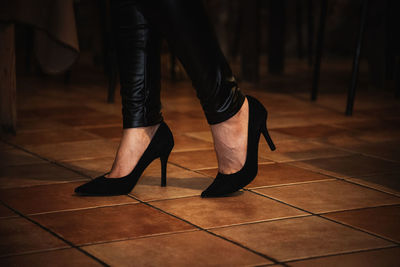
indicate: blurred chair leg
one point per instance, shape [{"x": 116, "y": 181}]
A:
[
  {"x": 310, "y": 31},
  {"x": 299, "y": 28},
  {"x": 276, "y": 36},
  {"x": 318, "y": 56},
  {"x": 250, "y": 52},
  {"x": 8, "y": 90},
  {"x": 356, "y": 60},
  {"x": 109, "y": 51},
  {"x": 397, "y": 78}
]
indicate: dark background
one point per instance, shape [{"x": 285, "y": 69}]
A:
[{"x": 248, "y": 31}]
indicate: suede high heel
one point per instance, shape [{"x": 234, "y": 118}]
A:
[
  {"x": 159, "y": 147},
  {"x": 225, "y": 184}
]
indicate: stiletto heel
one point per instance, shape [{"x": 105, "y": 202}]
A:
[
  {"x": 268, "y": 137},
  {"x": 159, "y": 147},
  {"x": 225, "y": 184},
  {"x": 164, "y": 160}
]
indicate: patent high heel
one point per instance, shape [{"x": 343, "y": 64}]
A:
[
  {"x": 225, "y": 184},
  {"x": 159, "y": 147}
]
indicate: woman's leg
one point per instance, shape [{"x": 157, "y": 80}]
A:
[
  {"x": 186, "y": 27},
  {"x": 138, "y": 49}
]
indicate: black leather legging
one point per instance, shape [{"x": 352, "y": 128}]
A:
[{"x": 139, "y": 26}]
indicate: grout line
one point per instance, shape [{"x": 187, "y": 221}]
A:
[
  {"x": 342, "y": 253},
  {"x": 355, "y": 152},
  {"x": 310, "y": 158},
  {"x": 368, "y": 187},
  {"x": 186, "y": 168},
  {"x": 56, "y": 235},
  {"x": 30, "y": 252},
  {"x": 79, "y": 209},
  {"x": 294, "y": 183},
  {"x": 191, "y": 149},
  {"x": 363, "y": 208},
  {"x": 260, "y": 221},
  {"x": 335, "y": 176},
  {"x": 374, "y": 186},
  {"x": 209, "y": 232},
  {"x": 138, "y": 237},
  {"x": 322, "y": 217},
  {"x": 363, "y": 230},
  {"x": 46, "y": 159}
]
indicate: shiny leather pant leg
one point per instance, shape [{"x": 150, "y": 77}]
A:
[
  {"x": 138, "y": 51},
  {"x": 186, "y": 27}
]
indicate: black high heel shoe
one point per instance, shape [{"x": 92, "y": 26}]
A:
[
  {"x": 225, "y": 184},
  {"x": 159, "y": 147}
]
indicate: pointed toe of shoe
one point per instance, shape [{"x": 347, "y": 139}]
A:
[
  {"x": 219, "y": 188},
  {"x": 83, "y": 189},
  {"x": 92, "y": 188}
]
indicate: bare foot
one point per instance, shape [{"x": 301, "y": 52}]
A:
[
  {"x": 132, "y": 146},
  {"x": 230, "y": 141}
]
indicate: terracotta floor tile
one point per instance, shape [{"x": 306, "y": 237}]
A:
[
  {"x": 109, "y": 132},
  {"x": 276, "y": 121},
  {"x": 329, "y": 196},
  {"x": 242, "y": 208},
  {"x": 19, "y": 235},
  {"x": 186, "y": 125},
  {"x": 34, "y": 124},
  {"x": 98, "y": 119},
  {"x": 278, "y": 137},
  {"x": 180, "y": 183},
  {"x": 296, "y": 149},
  {"x": 312, "y": 131},
  {"x": 181, "y": 116},
  {"x": 300, "y": 238},
  {"x": 207, "y": 136},
  {"x": 201, "y": 135},
  {"x": 360, "y": 138},
  {"x": 55, "y": 197},
  {"x": 387, "y": 182},
  {"x": 199, "y": 159},
  {"x": 211, "y": 173},
  {"x": 283, "y": 174},
  {"x": 183, "y": 249},
  {"x": 381, "y": 136},
  {"x": 388, "y": 257},
  {"x": 35, "y": 174},
  {"x": 273, "y": 174},
  {"x": 14, "y": 157},
  {"x": 76, "y": 150},
  {"x": 382, "y": 111},
  {"x": 60, "y": 258},
  {"x": 110, "y": 223},
  {"x": 194, "y": 160},
  {"x": 386, "y": 150},
  {"x": 92, "y": 167},
  {"x": 185, "y": 143},
  {"x": 70, "y": 111},
  {"x": 371, "y": 124},
  {"x": 383, "y": 221},
  {"x": 6, "y": 212},
  {"x": 52, "y": 136},
  {"x": 350, "y": 166}
]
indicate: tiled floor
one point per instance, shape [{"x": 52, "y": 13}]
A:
[{"x": 328, "y": 196}]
